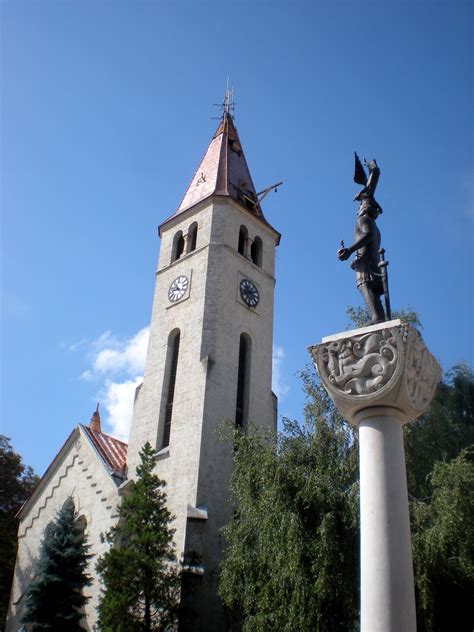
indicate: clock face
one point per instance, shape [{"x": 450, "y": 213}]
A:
[
  {"x": 178, "y": 288},
  {"x": 249, "y": 293}
]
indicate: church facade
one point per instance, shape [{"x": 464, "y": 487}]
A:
[{"x": 209, "y": 360}]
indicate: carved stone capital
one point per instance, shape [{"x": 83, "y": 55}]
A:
[{"x": 381, "y": 365}]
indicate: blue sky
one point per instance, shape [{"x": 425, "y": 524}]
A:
[{"x": 105, "y": 112}]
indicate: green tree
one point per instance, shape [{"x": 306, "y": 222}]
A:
[
  {"x": 443, "y": 432},
  {"x": 359, "y": 316},
  {"x": 440, "y": 455},
  {"x": 140, "y": 575},
  {"x": 443, "y": 547},
  {"x": 17, "y": 483},
  {"x": 55, "y": 599},
  {"x": 291, "y": 562}
]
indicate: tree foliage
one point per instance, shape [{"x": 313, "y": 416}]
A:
[
  {"x": 443, "y": 432},
  {"x": 440, "y": 467},
  {"x": 17, "y": 483},
  {"x": 139, "y": 572},
  {"x": 359, "y": 316},
  {"x": 443, "y": 547},
  {"x": 55, "y": 599},
  {"x": 291, "y": 560}
]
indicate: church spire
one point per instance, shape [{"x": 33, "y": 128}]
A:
[
  {"x": 94, "y": 423},
  {"x": 223, "y": 170}
]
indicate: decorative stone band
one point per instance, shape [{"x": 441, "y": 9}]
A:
[{"x": 381, "y": 365}]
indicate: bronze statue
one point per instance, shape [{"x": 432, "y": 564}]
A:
[{"x": 371, "y": 272}]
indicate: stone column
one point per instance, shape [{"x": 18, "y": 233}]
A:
[
  {"x": 248, "y": 248},
  {"x": 381, "y": 377},
  {"x": 187, "y": 243}
]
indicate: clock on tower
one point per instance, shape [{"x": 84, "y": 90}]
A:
[{"x": 209, "y": 357}]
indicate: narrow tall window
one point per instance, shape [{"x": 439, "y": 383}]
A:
[
  {"x": 173, "y": 349},
  {"x": 178, "y": 246},
  {"x": 256, "y": 251},
  {"x": 243, "y": 374},
  {"x": 243, "y": 235},
  {"x": 82, "y": 523},
  {"x": 193, "y": 233}
]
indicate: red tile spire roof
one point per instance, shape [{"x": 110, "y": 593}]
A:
[
  {"x": 112, "y": 451},
  {"x": 223, "y": 171}
]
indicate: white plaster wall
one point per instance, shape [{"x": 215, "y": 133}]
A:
[
  {"x": 227, "y": 317},
  {"x": 211, "y": 317},
  {"x": 81, "y": 475},
  {"x": 179, "y": 465}
]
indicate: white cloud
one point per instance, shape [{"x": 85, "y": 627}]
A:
[
  {"x": 87, "y": 375},
  {"x": 77, "y": 345},
  {"x": 117, "y": 365},
  {"x": 117, "y": 398},
  {"x": 113, "y": 356},
  {"x": 278, "y": 384}
]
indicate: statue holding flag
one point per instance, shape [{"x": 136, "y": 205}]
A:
[{"x": 369, "y": 263}]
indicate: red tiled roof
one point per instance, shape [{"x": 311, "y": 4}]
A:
[
  {"x": 112, "y": 451},
  {"x": 223, "y": 171}
]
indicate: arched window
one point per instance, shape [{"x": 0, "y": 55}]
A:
[
  {"x": 256, "y": 251},
  {"x": 192, "y": 237},
  {"x": 243, "y": 382},
  {"x": 178, "y": 246},
  {"x": 243, "y": 236},
  {"x": 170, "y": 377},
  {"x": 69, "y": 504},
  {"x": 48, "y": 532},
  {"x": 81, "y": 523}
]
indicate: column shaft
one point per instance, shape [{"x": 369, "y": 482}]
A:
[{"x": 387, "y": 592}]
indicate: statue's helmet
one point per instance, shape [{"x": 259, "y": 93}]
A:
[{"x": 368, "y": 203}]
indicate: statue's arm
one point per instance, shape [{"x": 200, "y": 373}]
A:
[
  {"x": 363, "y": 229},
  {"x": 374, "y": 175}
]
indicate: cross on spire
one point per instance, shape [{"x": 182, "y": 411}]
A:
[
  {"x": 228, "y": 104},
  {"x": 223, "y": 171}
]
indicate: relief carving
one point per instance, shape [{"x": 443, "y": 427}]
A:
[
  {"x": 363, "y": 364},
  {"x": 378, "y": 367},
  {"x": 422, "y": 374}
]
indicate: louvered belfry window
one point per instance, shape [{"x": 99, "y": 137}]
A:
[
  {"x": 243, "y": 235},
  {"x": 177, "y": 247},
  {"x": 180, "y": 247},
  {"x": 193, "y": 232},
  {"x": 174, "y": 348},
  {"x": 242, "y": 382}
]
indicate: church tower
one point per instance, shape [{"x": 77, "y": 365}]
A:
[{"x": 209, "y": 356}]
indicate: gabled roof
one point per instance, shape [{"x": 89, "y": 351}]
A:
[
  {"x": 223, "y": 171},
  {"x": 112, "y": 451}
]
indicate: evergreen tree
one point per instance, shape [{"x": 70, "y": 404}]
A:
[
  {"x": 17, "y": 483},
  {"x": 55, "y": 599},
  {"x": 139, "y": 572}
]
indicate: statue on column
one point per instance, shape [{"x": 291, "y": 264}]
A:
[{"x": 369, "y": 263}]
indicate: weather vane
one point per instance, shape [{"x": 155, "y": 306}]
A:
[
  {"x": 369, "y": 264},
  {"x": 228, "y": 104}
]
